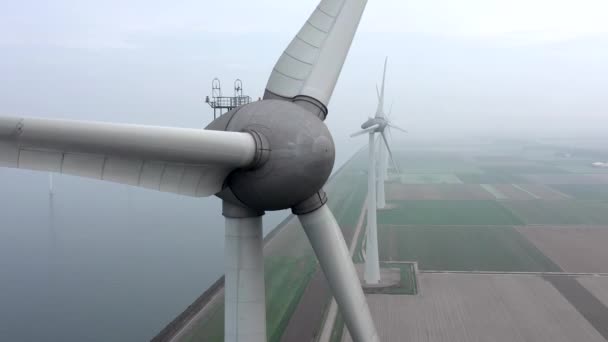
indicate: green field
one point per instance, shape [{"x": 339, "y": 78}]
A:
[
  {"x": 448, "y": 213},
  {"x": 518, "y": 169},
  {"x": 426, "y": 178},
  {"x": 561, "y": 212},
  {"x": 434, "y": 162},
  {"x": 494, "y": 177},
  {"x": 286, "y": 279},
  {"x": 595, "y": 192},
  {"x": 473, "y": 248}
]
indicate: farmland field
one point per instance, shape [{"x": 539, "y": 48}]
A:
[
  {"x": 512, "y": 192},
  {"x": 402, "y": 192},
  {"x": 477, "y": 248},
  {"x": 434, "y": 162},
  {"x": 568, "y": 178},
  {"x": 480, "y": 307},
  {"x": 565, "y": 212},
  {"x": 427, "y": 178},
  {"x": 494, "y": 191},
  {"x": 447, "y": 212},
  {"x": 575, "y": 249},
  {"x": 521, "y": 168},
  {"x": 577, "y": 166},
  {"x": 541, "y": 191},
  {"x": 598, "y": 286},
  {"x": 493, "y": 222},
  {"x": 585, "y": 191},
  {"x": 495, "y": 177}
]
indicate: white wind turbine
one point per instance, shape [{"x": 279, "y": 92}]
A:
[
  {"x": 268, "y": 155},
  {"x": 378, "y": 124}
]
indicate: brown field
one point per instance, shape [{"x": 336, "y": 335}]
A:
[
  {"x": 437, "y": 192},
  {"x": 598, "y": 286},
  {"x": 512, "y": 192},
  {"x": 573, "y": 248},
  {"x": 600, "y": 177},
  {"x": 544, "y": 192},
  {"x": 478, "y": 308},
  {"x": 566, "y": 178}
]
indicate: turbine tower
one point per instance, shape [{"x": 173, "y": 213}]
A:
[
  {"x": 375, "y": 185},
  {"x": 271, "y": 154}
]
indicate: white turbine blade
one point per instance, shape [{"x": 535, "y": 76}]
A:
[
  {"x": 390, "y": 124},
  {"x": 191, "y": 162},
  {"x": 363, "y": 131},
  {"x": 390, "y": 153},
  {"x": 313, "y": 60},
  {"x": 380, "y": 109},
  {"x": 328, "y": 243}
]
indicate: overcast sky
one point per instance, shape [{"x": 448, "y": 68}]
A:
[{"x": 454, "y": 66}]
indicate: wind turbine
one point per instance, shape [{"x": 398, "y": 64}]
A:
[
  {"x": 383, "y": 162},
  {"x": 267, "y": 155},
  {"x": 378, "y": 124}
]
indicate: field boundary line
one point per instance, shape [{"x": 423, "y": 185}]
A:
[
  {"x": 526, "y": 191},
  {"x": 494, "y": 192}
]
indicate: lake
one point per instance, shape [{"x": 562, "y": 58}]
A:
[{"x": 100, "y": 261}]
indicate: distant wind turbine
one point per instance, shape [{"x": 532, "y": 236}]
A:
[{"x": 378, "y": 124}]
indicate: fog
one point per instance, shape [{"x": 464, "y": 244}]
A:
[{"x": 513, "y": 69}]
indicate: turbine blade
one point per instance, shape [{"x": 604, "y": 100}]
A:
[
  {"x": 380, "y": 108},
  {"x": 363, "y": 131},
  {"x": 191, "y": 162},
  {"x": 378, "y": 93},
  {"x": 328, "y": 243},
  {"x": 390, "y": 124},
  {"x": 390, "y": 111},
  {"x": 383, "y": 83},
  {"x": 390, "y": 153},
  {"x": 312, "y": 62}
]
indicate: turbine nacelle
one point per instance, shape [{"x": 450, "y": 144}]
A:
[
  {"x": 380, "y": 122},
  {"x": 290, "y": 142}
]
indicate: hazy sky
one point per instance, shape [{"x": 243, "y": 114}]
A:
[
  {"x": 455, "y": 66},
  {"x": 108, "y": 23}
]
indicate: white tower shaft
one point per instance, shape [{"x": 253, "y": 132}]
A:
[
  {"x": 245, "y": 299},
  {"x": 372, "y": 263},
  {"x": 51, "y": 190},
  {"x": 381, "y": 177}
]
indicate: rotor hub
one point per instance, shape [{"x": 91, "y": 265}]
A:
[{"x": 295, "y": 155}]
